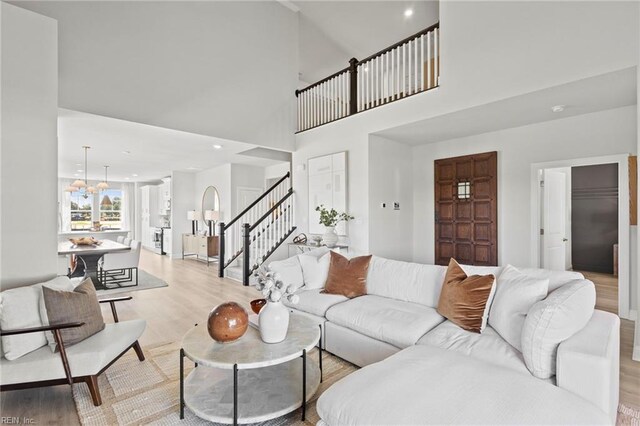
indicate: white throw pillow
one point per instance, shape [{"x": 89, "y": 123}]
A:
[
  {"x": 314, "y": 270},
  {"x": 515, "y": 294},
  {"x": 288, "y": 271},
  {"x": 59, "y": 283},
  {"x": 19, "y": 309},
  {"x": 553, "y": 320}
]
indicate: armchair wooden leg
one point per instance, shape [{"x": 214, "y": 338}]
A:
[
  {"x": 138, "y": 349},
  {"x": 92, "y": 383}
]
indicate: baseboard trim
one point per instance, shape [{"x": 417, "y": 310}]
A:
[
  {"x": 633, "y": 315},
  {"x": 636, "y": 353}
]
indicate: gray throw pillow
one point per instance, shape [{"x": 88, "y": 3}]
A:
[{"x": 79, "y": 305}]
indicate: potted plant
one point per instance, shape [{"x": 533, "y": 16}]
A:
[{"x": 330, "y": 218}]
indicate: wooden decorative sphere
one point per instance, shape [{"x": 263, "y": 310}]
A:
[{"x": 227, "y": 322}]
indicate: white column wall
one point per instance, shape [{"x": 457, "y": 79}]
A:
[{"x": 29, "y": 148}]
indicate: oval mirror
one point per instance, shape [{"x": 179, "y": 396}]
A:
[{"x": 210, "y": 201}]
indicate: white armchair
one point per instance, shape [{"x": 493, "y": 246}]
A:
[
  {"x": 120, "y": 239},
  {"x": 119, "y": 268}
]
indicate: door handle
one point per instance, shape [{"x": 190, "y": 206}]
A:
[{"x": 564, "y": 240}]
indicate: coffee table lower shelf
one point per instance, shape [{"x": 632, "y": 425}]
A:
[{"x": 263, "y": 393}]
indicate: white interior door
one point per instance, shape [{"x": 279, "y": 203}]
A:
[
  {"x": 246, "y": 196},
  {"x": 554, "y": 220}
]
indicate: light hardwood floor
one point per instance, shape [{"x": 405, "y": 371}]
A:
[{"x": 194, "y": 289}]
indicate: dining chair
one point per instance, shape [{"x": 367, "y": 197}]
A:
[{"x": 118, "y": 269}]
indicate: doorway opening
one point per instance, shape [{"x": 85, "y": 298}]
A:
[{"x": 582, "y": 224}]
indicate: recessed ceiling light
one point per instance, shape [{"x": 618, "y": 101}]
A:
[
  {"x": 558, "y": 108},
  {"x": 76, "y": 174},
  {"x": 408, "y": 13},
  {"x": 79, "y": 170},
  {"x": 135, "y": 175},
  {"x": 126, "y": 152},
  {"x": 192, "y": 168},
  {"x": 217, "y": 146},
  {"x": 78, "y": 164},
  {"x": 127, "y": 178}
]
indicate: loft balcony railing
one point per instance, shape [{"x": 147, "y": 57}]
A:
[{"x": 408, "y": 67}]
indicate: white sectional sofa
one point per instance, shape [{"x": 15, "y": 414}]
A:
[{"x": 427, "y": 370}]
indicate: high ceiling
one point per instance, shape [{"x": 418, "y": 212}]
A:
[
  {"x": 332, "y": 32},
  {"x": 138, "y": 152},
  {"x": 607, "y": 91}
]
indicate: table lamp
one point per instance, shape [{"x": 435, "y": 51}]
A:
[
  {"x": 211, "y": 216},
  {"x": 193, "y": 216}
]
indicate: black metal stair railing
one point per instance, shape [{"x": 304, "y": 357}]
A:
[{"x": 258, "y": 230}]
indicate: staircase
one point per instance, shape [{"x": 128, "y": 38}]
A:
[{"x": 248, "y": 240}]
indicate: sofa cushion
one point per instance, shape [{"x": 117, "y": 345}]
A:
[
  {"x": 515, "y": 294},
  {"x": 314, "y": 269},
  {"x": 20, "y": 308},
  {"x": 410, "y": 282},
  {"x": 314, "y": 302},
  {"x": 347, "y": 277},
  {"x": 488, "y": 346},
  {"x": 464, "y": 299},
  {"x": 450, "y": 388},
  {"x": 549, "y": 322},
  {"x": 85, "y": 358},
  {"x": 556, "y": 278},
  {"x": 288, "y": 271},
  {"x": 392, "y": 321}
]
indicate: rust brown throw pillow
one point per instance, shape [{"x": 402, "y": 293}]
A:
[
  {"x": 79, "y": 305},
  {"x": 347, "y": 277},
  {"x": 464, "y": 300}
]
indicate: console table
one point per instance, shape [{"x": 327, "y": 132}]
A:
[
  {"x": 306, "y": 247},
  {"x": 202, "y": 247}
]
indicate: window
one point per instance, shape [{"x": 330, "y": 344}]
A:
[
  {"x": 80, "y": 212},
  {"x": 464, "y": 190},
  {"x": 111, "y": 209}
]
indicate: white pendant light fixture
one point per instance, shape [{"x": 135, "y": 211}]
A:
[
  {"x": 104, "y": 184},
  {"x": 79, "y": 183}
]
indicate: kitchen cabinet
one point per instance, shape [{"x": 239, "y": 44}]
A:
[{"x": 149, "y": 218}]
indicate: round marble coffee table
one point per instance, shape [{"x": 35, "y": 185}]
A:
[{"x": 249, "y": 381}]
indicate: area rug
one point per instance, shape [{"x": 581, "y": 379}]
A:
[
  {"x": 146, "y": 281},
  {"x": 151, "y": 395}
]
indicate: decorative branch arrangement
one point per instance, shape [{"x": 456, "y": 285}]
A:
[
  {"x": 332, "y": 217},
  {"x": 273, "y": 289}
]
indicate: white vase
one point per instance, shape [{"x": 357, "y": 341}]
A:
[
  {"x": 330, "y": 236},
  {"x": 273, "y": 321}
]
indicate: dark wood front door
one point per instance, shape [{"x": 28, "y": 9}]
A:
[{"x": 466, "y": 209}]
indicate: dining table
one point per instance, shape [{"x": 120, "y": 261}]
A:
[{"x": 90, "y": 255}]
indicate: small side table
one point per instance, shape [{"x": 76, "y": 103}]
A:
[
  {"x": 249, "y": 381},
  {"x": 307, "y": 247}
]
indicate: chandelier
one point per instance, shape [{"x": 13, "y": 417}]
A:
[{"x": 83, "y": 185}]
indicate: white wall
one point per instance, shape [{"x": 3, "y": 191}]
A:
[
  {"x": 220, "y": 177},
  {"x": 202, "y": 67},
  {"x": 244, "y": 176},
  {"x": 603, "y": 133},
  {"x": 489, "y": 51},
  {"x": 182, "y": 200},
  {"x": 276, "y": 171},
  {"x": 390, "y": 180},
  {"x": 29, "y": 149}
]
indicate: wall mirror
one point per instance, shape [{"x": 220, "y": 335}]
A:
[
  {"x": 328, "y": 186},
  {"x": 210, "y": 201}
]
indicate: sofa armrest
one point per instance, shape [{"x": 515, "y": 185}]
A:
[
  {"x": 111, "y": 302},
  {"x": 588, "y": 363},
  {"x": 51, "y": 327}
]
